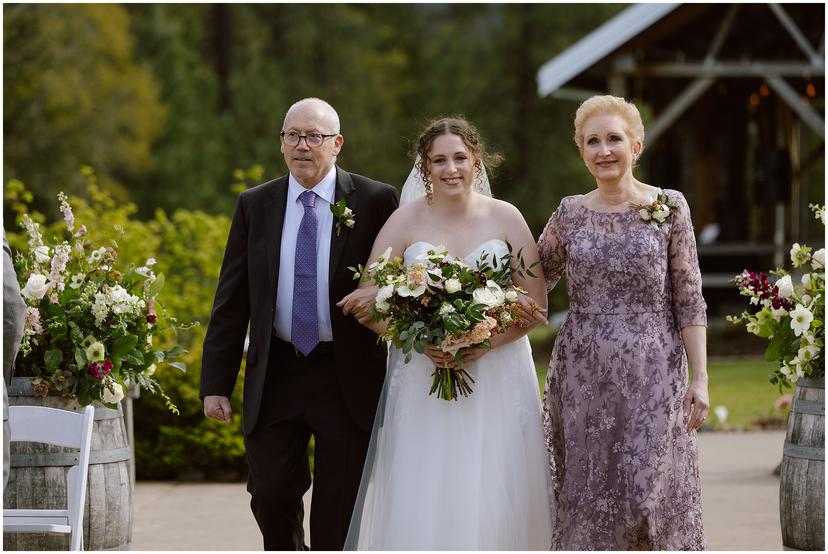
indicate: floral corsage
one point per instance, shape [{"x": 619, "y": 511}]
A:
[
  {"x": 658, "y": 211},
  {"x": 344, "y": 216}
]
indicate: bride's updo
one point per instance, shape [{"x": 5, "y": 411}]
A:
[{"x": 467, "y": 132}]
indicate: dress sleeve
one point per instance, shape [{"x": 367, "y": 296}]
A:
[
  {"x": 551, "y": 249},
  {"x": 689, "y": 307}
]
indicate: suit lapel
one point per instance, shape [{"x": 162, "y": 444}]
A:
[
  {"x": 344, "y": 190},
  {"x": 274, "y": 218}
]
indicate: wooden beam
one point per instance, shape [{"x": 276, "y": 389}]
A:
[
  {"x": 677, "y": 107},
  {"x": 805, "y": 111},
  {"x": 721, "y": 35},
  {"x": 795, "y": 33},
  {"x": 729, "y": 69}
]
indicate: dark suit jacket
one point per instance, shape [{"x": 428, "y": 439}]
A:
[{"x": 246, "y": 294}]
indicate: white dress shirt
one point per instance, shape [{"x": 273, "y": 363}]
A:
[{"x": 294, "y": 212}]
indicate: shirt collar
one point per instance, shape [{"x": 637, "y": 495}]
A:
[{"x": 324, "y": 189}]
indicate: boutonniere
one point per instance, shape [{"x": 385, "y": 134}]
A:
[
  {"x": 344, "y": 216},
  {"x": 658, "y": 211}
]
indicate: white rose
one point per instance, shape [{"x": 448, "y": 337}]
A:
[
  {"x": 818, "y": 259},
  {"x": 645, "y": 214},
  {"x": 785, "y": 286},
  {"x": 453, "y": 285},
  {"x": 42, "y": 254},
  {"x": 511, "y": 295},
  {"x": 114, "y": 396},
  {"x": 36, "y": 287},
  {"x": 491, "y": 295},
  {"x": 661, "y": 213},
  {"x": 381, "y": 300}
]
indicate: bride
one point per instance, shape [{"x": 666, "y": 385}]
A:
[{"x": 470, "y": 474}]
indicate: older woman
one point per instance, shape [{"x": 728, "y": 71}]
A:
[{"x": 619, "y": 415}]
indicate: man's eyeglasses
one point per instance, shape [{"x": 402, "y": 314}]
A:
[{"x": 313, "y": 138}]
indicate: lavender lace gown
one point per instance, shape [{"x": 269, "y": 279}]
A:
[{"x": 625, "y": 469}]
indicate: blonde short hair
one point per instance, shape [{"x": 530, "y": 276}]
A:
[{"x": 613, "y": 105}]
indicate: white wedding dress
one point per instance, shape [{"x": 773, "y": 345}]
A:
[{"x": 464, "y": 475}]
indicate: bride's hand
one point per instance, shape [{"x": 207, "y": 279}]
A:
[
  {"x": 359, "y": 303},
  {"x": 440, "y": 358},
  {"x": 532, "y": 313},
  {"x": 472, "y": 354}
]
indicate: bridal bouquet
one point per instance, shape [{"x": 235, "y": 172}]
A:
[
  {"x": 790, "y": 315},
  {"x": 89, "y": 328},
  {"x": 443, "y": 301}
]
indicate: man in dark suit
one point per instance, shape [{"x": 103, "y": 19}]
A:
[{"x": 310, "y": 369}]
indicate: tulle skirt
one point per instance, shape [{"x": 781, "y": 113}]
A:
[{"x": 464, "y": 475}]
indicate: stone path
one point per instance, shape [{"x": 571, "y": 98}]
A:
[{"x": 740, "y": 495}]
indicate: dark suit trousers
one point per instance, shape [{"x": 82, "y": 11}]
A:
[{"x": 302, "y": 398}]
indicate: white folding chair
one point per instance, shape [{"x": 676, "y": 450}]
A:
[{"x": 62, "y": 428}]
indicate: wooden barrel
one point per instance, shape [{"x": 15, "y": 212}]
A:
[
  {"x": 37, "y": 478},
  {"x": 802, "y": 485}
]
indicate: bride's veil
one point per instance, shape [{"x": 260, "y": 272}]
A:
[{"x": 414, "y": 186}]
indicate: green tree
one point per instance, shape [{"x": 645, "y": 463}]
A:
[{"x": 73, "y": 95}]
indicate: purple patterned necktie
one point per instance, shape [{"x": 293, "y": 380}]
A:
[{"x": 304, "y": 332}]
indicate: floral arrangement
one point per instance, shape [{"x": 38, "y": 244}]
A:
[
  {"x": 791, "y": 315},
  {"x": 344, "y": 216},
  {"x": 657, "y": 211},
  {"x": 443, "y": 301},
  {"x": 89, "y": 328}
]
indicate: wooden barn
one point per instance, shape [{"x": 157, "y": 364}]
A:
[{"x": 733, "y": 98}]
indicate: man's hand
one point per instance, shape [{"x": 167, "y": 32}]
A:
[
  {"x": 359, "y": 303},
  {"x": 218, "y": 407}
]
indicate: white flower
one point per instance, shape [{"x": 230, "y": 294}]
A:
[
  {"x": 788, "y": 372},
  {"x": 446, "y": 308},
  {"x": 99, "y": 308},
  {"x": 115, "y": 395},
  {"x": 491, "y": 295},
  {"x": 77, "y": 281},
  {"x": 661, "y": 213},
  {"x": 96, "y": 352},
  {"x": 511, "y": 295},
  {"x": 150, "y": 371},
  {"x": 405, "y": 291},
  {"x": 36, "y": 287},
  {"x": 752, "y": 327},
  {"x": 807, "y": 353},
  {"x": 801, "y": 319},
  {"x": 644, "y": 213},
  {"x": 143, "y": 270},
  {"x": 818, "y": 259},
  {"x": 97, "y": 255},
  {"x": 785, "y": 286},
  {"x": 42, "y": 254},
  {"x": 806, "y": 281},
  {"x": 383, "y": 294},
  {"x": 382, "y": 261},
  {"x": 151, "y": 262},
  {"x": 799, "y": 254},
  {"x": 453, "y": 285}
]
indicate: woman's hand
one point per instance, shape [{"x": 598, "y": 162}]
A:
[
  {"x": 531, "y": 312},
  {"x": 359, "y": 303},
  {"x": 696, "y": 404},
  {"x": 472, "y": 354},
  {"x": 440, "y": 358}
]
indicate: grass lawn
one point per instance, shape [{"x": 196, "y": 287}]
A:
[{"x": 742, "y": 387}]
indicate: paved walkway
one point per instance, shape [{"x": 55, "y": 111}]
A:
[{"x": 740, "y": 495}]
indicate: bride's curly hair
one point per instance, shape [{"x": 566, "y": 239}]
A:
[{"x": 467, "y": 132}]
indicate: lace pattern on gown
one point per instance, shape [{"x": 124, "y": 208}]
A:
[{"x": 625, "y": 470}]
